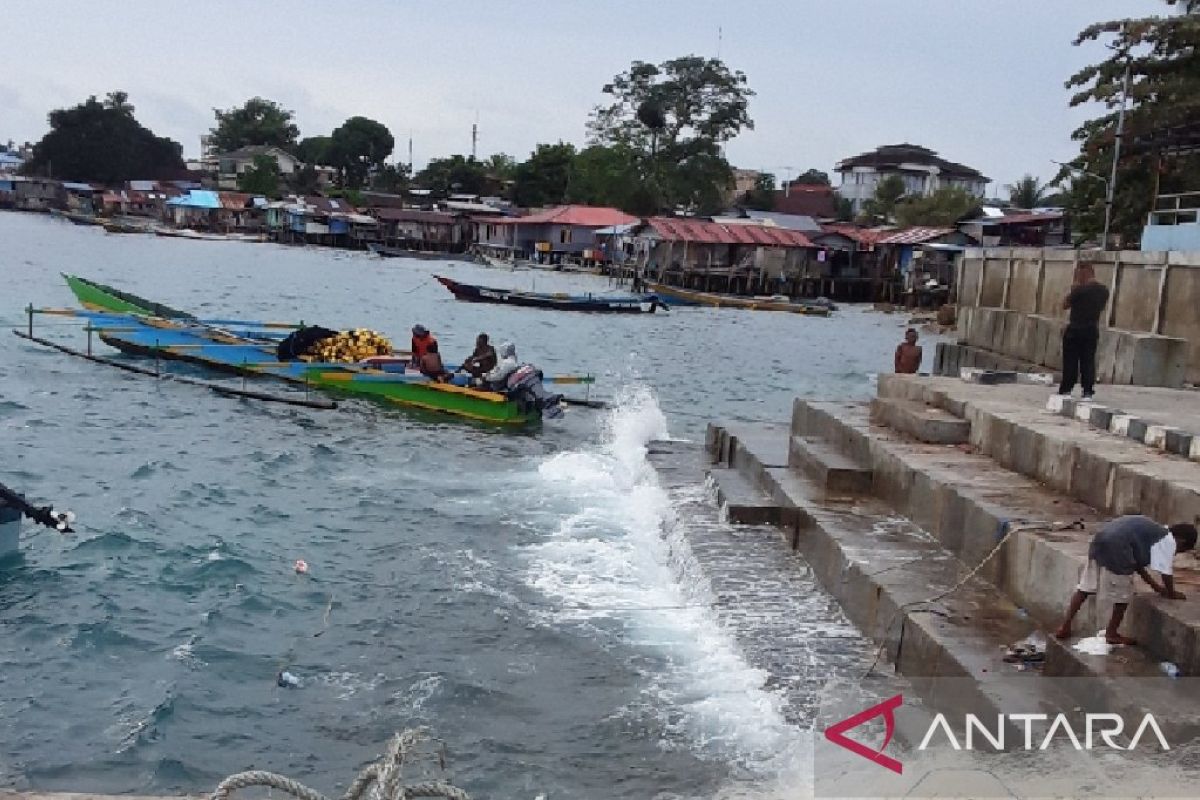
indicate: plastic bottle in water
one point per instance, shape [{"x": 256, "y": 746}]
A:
[{"x": 1169, "y": 669}]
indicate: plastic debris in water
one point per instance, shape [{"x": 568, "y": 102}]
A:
[
  {"x": 301, "y": 566},
  {"x": 1169, "y": 669},
  {"x": 287, "y": 680}
]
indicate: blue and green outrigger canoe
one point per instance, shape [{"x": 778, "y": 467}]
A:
[{"x": 140, "y": 327}]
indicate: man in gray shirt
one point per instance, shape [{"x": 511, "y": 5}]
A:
[
  {"x": 1121, "y": 548},
  {"x": 1086, "y": 303}
]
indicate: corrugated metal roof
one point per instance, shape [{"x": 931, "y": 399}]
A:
[
  {"x": 1020, "y": 219},
  {"x": 674, "y": 229},
  {"x": 915, "y": 235},
  {"x": 414, "y": 215},
  {"x": 71, "y": 186},
  {"x": 236, "y": 200},
  {"x": 197, "y": 198},
  {"x": 583, "y": 216},
  {"x": 854, "y": 232}
]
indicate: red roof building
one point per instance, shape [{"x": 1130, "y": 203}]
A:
[
  {"x": 553, "y": 232},
  {"x": 677, "y": 229},
  {"x": 807, "y": 199}
]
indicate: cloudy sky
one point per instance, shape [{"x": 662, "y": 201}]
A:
[{"x": 980, "y": 82}]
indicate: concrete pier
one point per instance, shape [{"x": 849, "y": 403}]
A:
[{"x": 979, "y": 493}]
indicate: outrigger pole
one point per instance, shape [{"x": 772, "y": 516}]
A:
[
  {"x": 226, "y": 391},
  {"x": 45, "y": 515}
]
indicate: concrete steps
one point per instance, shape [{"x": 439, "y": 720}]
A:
[
  {"x": 923, "y": 422},
  {"x": 827, "y": 468},
  {"x": 875, "y": 562}
]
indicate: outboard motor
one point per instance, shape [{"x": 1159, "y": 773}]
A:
[{"x": 525, "y": 386}]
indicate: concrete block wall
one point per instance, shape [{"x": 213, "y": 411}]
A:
[{"x": 1009, "y": 304}]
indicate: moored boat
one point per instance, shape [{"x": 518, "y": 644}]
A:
[
  {"x": 673, "y": 294},
  {"x": 127, "y": 323},
  {"x": 384, "y": 251},
  {"x": 596, "y": 303}
]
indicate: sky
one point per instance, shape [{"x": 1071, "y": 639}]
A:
[{"x": 979, "y": 82}]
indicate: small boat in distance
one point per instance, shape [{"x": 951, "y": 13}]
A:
[
  {"x": 603, "y": 304},
  {"x": 672, "y": 294},
  {"x": 384, "y": 251}
]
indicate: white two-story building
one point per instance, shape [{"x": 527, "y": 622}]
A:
[{"x": 922, "y": 170}]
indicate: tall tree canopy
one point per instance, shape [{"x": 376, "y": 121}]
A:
[
  {"x": 542, "y": 180},
  {"x": 881, "y": 207},
  {"x": 762, "y": 196},
  {"x": 358, "y": 148},
  {"x": 609, "y": 176},
  {"x": 101, "y": 141},
  {"x": 1028, "y": 192},
  {"x": 456, "y": 174},
  {"x": 1163, "y": 57},
  {"x": 314, "y": 150},
  {"x": 261, "y": 178},
  {"x": 943, "y": 208},
  {"x": 676, "y": 115},
  {"x": 501, "y": 166},
  {"x": 812, "y": 177},
  {"x": 258, "y": 121}
]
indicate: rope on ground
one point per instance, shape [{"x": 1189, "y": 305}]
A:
[
  {"x": 380, "y": 780},
  {"x": 1006, "y": 528}
]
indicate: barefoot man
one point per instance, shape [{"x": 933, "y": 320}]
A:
[
  {"x": 1124, "y": 546},
  {"x": 908, "y": 353}
]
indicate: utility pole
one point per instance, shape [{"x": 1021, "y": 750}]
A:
[
  {"x": 474, "y": 135},
  {"x": 1112, "y": 181}
]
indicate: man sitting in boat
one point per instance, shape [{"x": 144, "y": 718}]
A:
[
  {"x": 482, "y": 360},
  {"x": 431, "y": 364},
  {"x": 421, "y": 340},
  {"x": 497, "y": 377}
]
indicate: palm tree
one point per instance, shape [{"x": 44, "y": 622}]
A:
[{"x": 1028, "y": 192}]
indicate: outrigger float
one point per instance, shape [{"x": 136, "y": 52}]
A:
[{"x": 141, "y": 327}]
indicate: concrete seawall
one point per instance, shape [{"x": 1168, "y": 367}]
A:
[{"x": 976, "y": 497}]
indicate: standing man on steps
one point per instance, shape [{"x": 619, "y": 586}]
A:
[{"x": 1086, "y": 302}]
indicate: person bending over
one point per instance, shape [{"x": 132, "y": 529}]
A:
[{"x": 1121, "y": 548}]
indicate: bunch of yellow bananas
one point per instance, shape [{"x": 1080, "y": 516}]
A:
[{"x": 349, "y": 347}]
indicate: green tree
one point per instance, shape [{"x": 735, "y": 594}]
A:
[
  {"x": 1028, "y": 192},
  {"x": 675, "y": 116},
  {"x": 942, "y": 209},
  {"x": 314, "y": 150},
  {"x": 501, "y": 166},
  {"x": 261, "y": 178},
  {"x": 542, "y": 180},
  {"x": 358, "y": 148},
  {"x": 608, "y": 176},
  {"x": 882, "y": 206},
  {"x": 1163, "y": 58},
  {"x": 305, "y": 180},
  {"x": 454, "y": 175},
  {"x": 762, "y": 196},
  {"x": 103, "y": 142},
  {"x": 813, "y": 177},
  {"x": 257, "y": 121},
  {"x": 392, "y": 178},
  {"x": 844, "y": 208}
]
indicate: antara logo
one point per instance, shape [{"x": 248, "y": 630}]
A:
[
  {"x": 887, "y": 709},
  {"x": 1105, "y": 727}
]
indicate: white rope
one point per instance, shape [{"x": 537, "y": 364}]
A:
[
  {"x": 380, "y": 780},
  {"x": 1009, "y": 529}
]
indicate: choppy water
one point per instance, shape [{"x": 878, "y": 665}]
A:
[{"x": 514, "y": 592}]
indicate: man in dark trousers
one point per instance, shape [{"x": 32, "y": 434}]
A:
[{"x": 1086, "y": 302}]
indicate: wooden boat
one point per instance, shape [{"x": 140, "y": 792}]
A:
[
  {"x": 714, "y": 300},
  {"x": 77, "y": 217},
  {"x": 249, "y": 348},
  {"x": 384, "y": 251},
  {"x": 603, "y": 304}
]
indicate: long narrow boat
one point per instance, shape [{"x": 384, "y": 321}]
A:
[
  {"x": 598, "y": 303},
  {"x": 239, "y": 348},
  {"x": 384, "y": 251},
  {"x": 714, "y": 300}
]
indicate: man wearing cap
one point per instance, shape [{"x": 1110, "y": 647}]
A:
[{"x": 421, "y": 339}]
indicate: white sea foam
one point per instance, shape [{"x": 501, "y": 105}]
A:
[{"x": 619, "y": 556}]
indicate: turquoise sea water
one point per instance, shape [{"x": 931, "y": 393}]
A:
[{"x": 509, "y": 590}]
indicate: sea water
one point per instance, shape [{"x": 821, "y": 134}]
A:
[{"x": 528, "y": 596}]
